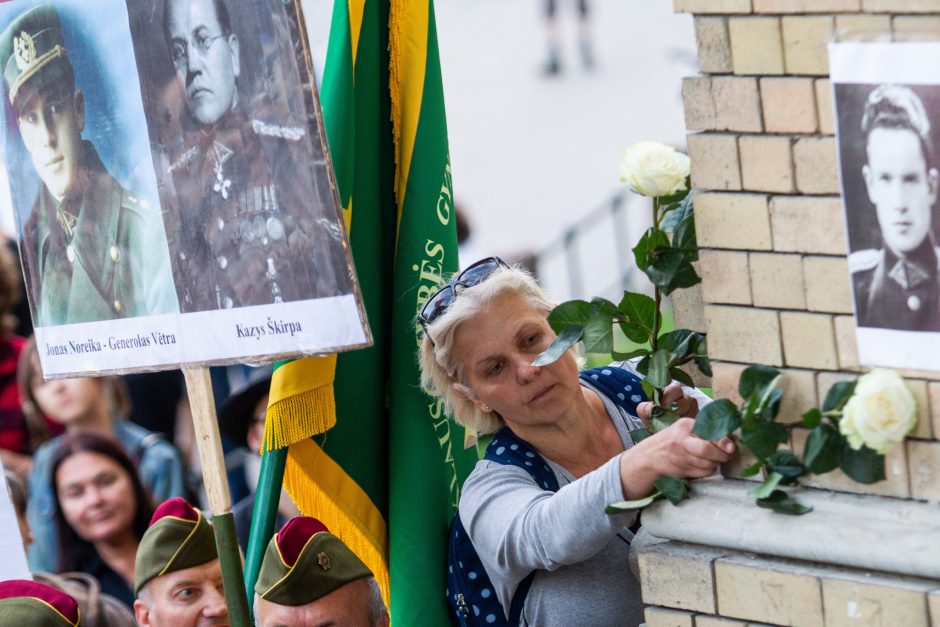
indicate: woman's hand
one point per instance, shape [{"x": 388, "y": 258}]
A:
[
  {"x": 673, "y": 451},
  {"x": 685, "y": 406}
]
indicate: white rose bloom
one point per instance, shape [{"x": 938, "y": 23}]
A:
[
  {"x": 654, "y": 169},
  {"x": 880, "y": 412}
]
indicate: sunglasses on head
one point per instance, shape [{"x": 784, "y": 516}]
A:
[{"x": 441, "y": 300}]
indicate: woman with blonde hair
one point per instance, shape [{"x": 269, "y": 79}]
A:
[
  {"x": 86, "y": 404},
  {"x": 483, "y": 330}
]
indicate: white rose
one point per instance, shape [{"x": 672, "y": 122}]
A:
[
  {"x": 880, "y": 412},
  {"x": 654, "y": 169}
]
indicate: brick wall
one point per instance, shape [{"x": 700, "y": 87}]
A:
[{"x": 776, "y": 291}]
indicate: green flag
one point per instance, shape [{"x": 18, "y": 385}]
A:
[{"x": 428, "y": 462}]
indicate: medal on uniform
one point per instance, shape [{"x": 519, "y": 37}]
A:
[{"x": 220, "y": 154}]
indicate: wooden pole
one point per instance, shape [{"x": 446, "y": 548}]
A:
[{"x": 212, "y": 459}]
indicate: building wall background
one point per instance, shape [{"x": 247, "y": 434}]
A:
[{"x": 776, "y": 291}]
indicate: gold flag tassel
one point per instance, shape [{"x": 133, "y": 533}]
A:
[{"x": 301, "y": 404}]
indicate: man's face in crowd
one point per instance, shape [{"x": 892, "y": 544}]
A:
[
  {"x": 901, "y": 187},
  {"x": 191, "y": 597},
  {"x": 347, "y": 606},
  {"x": 51, "y": 123},
  {"x": 205, "y": 59}
]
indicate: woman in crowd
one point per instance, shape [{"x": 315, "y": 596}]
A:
[
  {"x": 85, "y": 404},
  {"x": 482, "y": 333},
  {"x": 101, "y": 511}
]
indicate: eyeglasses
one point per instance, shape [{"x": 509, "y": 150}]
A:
[
  {"x": 202, "y": 42},
  {"x": 441, "y": 300}
]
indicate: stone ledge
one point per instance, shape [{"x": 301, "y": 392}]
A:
[{"x": 859, "y": 531}]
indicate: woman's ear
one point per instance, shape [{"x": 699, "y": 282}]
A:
[{"x": 467, "y": 393}]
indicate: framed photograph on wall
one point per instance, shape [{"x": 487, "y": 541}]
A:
[
  {"x": 170, "y": 175},
  {"x": 887, "y": 108}
]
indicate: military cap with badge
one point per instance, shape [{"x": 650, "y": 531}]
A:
[{"x": 179, "y": 537}]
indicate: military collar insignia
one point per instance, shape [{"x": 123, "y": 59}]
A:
[
  {"x": 908, "y": 275},
  {"x": 67, "y": 221}
]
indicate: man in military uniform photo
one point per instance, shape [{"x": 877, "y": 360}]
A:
[
  {"x": 92, "y": 250},
  {"x": 898, "y": 286},
  {"x": 245, "y": 229}
]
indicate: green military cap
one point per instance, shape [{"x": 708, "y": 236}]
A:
[
  {"x": 305, "y": 562},
  {"x": 31, "y": 49},
  {"x": 24, "y": 602},
  {"x": 179, "y": 537}
]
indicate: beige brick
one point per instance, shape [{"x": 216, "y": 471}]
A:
[
  {"x": 799, "y": 395},
  {"x": 920, "y": 28},
  {"x": 714, "y": 161},
  {"x": 825, "y": 380},
  {"x": 766, "y": 163},
  {"x": 679, "y": 576},
  {"x": 737, "y": 221},
  {"x": 806, "y": 224},
  {"x": 789, "y": 105},
  {"x": 725, "y": 380},
  {"x": 805, "y": 6},
  {"x": 663, "y": 617},
  {"x": 711, "y": 6},
  {"x": 808, "y": 340},
  {"x": 845, "y": 342},
  {"x": 725, "y": 277},
  {"x": 933, "y": 601},
  {"x": 744, "y": 335},
  {"x": 872, "y": 600},
  {"x": 714, "y": 48},
  {"x": 698, "y": 104},
  {"x": 814, "y": 159},
  {"x": 718, "y": 621},
  {"x": 771, "y": 591},
  {"x": 688, "y": 308},
  {"x": 924, "y": 461},
  {"x": 777, "y": 281},
  {"x": 899, "y": 6},
  {"x": 824, "y": 106},
  {"x": 827, "y": 284},
  {"x": 863, "y": 27},
  {"x": 756, "y": 45},
  {"x": 922, "y": 429},
  {"x": 737, "y": 104},
  {"x": 933, "y": 397},
  {"x": 804, "y": 44}
]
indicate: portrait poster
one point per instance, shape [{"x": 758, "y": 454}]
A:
[
  {"x": 173, "y": 189},
  {"x": 887, "y": 109}
]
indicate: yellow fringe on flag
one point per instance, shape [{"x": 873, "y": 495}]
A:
[
  {"x": 301, "y": 403},
  {"x": 320, "y": 488}
]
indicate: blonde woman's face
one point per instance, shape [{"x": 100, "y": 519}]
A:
[{"x": 495, "y": 350}]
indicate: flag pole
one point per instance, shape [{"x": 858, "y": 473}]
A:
[
  {"x": 264, "y": 514},
  {"x": 212, "y": 460}
]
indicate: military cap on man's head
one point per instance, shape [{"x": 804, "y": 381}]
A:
[
  {"x": 179, "y": 537},
  {"x": 305, "y": 562},
  {"x": 31, "y": 49},
  {"x": 24, "y": 602}
]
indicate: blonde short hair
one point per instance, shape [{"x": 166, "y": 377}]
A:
[{"x": 439, "y": 368}]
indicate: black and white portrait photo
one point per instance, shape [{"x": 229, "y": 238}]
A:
[
  {"x": 887, "y": 128},
  {"x": 251, "y": 218}
]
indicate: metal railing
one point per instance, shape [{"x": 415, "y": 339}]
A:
[{"x": 593, "y": 257}]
